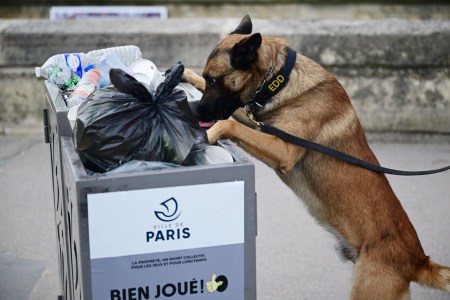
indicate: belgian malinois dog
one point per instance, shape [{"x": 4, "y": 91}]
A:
[{"x": 358, "y": 206}]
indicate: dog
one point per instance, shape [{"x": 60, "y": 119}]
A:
[{"x": 358, "y": 206}]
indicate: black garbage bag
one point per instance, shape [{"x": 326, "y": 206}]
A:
[{"x": 127, "y": 123}]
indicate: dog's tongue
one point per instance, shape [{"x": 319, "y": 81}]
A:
[{"x": 206, "y": 124}]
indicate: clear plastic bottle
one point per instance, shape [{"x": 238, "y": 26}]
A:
[
  {"x": 127, "y": 54},
  {"x": 87, "y": 85},
  {"x": 77, "y": 62},
  {"x": 108, "y": 61},
  {"x": 61, "y": 76}
]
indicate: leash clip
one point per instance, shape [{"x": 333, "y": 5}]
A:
[{"x": 249, "y": 113}]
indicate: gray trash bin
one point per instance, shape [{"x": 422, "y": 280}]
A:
[{"x": 181, "y": 233}]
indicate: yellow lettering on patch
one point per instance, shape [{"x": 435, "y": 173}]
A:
[{"x": 276, "y": 83}]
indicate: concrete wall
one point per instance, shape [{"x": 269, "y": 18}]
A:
[
  {"x": 395, "y": 71},
  {"x": 308, "y": 9}
]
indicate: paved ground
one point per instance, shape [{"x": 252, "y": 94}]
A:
[{"x": 295, "y": 257}]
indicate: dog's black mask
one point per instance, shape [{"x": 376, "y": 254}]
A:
[{"x": 218, "y": 101}]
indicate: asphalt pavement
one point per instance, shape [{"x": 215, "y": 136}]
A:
[{"x": 296, "y": 258}]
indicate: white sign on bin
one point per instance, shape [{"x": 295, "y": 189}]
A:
[{"x": 183, "y": 242}]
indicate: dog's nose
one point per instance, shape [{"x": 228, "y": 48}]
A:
[
  {"x": 205, "y": 116},
  {"x": 203, "y": 112}
]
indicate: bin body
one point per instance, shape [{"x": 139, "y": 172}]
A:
[
  {"x": 162, "y": 234},
  {"x": 183, "y": 271}
]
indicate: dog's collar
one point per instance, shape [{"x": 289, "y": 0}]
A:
[{"x": 271, "y": 87}]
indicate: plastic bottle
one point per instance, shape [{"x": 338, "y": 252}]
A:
[
  {"x": 77, "y": 62},
  {"x": 107, "y": 62},
  {"x": 127, "y": 54},
  {"x": 87, "y": 85},
  {"x": 61, "y": 76}
]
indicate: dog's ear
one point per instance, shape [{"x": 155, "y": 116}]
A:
[
  {"x": 245, "y": 27},
  {"x": 245, "y": 52}
]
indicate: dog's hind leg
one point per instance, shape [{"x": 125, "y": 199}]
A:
[{"x": 375, "y": 280}]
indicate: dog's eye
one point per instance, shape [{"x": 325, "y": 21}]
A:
[{"x": 210, "y": 80}]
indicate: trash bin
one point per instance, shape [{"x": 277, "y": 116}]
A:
[{"x": 179, "y": 233}]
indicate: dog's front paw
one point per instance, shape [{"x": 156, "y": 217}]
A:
[{"x": 218, "y": 131}]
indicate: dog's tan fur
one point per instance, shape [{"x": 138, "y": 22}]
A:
[{"x": 355, "y": 204}]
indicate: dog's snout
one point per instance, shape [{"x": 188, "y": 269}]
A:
[{"x": 203, "y": 112}]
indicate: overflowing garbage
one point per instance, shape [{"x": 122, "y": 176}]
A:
[
  {"x": 126, "y": 114},
  {"x": 65, "y": 70}
]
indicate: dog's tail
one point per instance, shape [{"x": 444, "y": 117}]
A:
[{"x": 433, "y": 275}]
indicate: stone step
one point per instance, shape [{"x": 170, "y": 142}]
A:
[{"x": 395, "y": 71}]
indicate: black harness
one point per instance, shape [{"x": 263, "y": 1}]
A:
[{"x": 271, "y": 87}]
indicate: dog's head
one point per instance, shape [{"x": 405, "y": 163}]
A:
[{"x": 230, "y": 73}]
